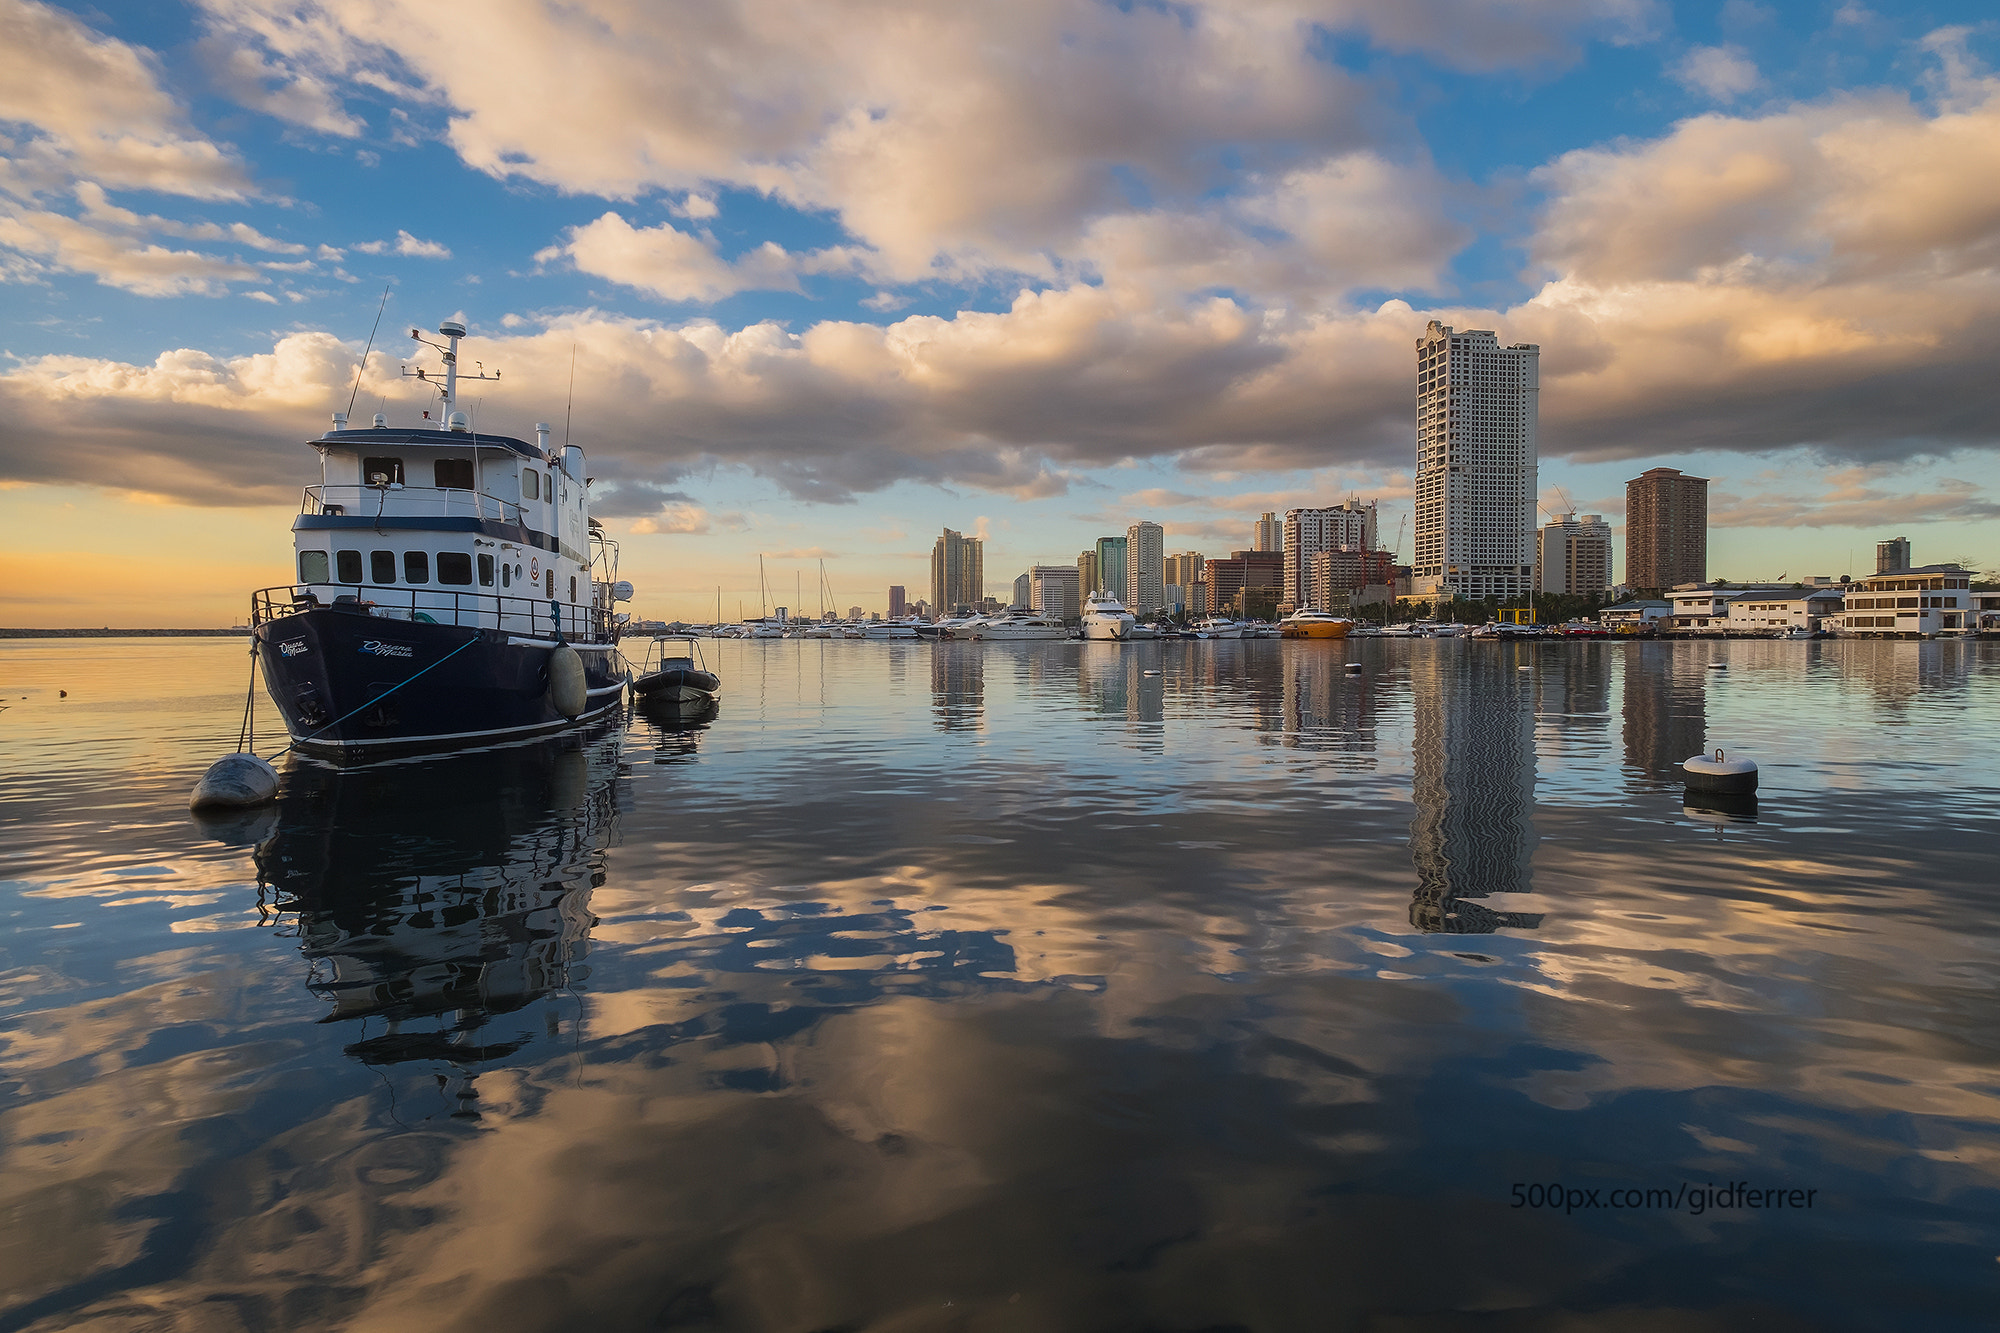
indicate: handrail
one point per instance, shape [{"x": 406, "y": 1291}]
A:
[
  {"x": 528, "y": 617},
  {"x": 408, "y": 502}
]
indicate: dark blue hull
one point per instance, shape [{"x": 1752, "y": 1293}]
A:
[{"x": 322, "y": 665}]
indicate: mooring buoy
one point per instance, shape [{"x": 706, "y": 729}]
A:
[
  {"x": 1718, "y": 666},
  {"x": 1354, "y": 666},
  {"x": 1720, "y": 774},
  {"x": 234, "y": 780}
]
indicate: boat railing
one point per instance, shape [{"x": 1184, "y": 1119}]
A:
[
  {"x": 528, "y": 617},
  {"x": 399, "y": 501}
]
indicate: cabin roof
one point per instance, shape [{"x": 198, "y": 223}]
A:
[{"x": 371, "y": 437}]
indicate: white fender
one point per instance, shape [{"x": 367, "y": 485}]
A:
[
  {"x": 235, "y": 780},
  {"x": 566, "y": 684}
]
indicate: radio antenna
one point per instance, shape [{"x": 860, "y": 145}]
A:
[
  {"x": 366, "y": 350},
  {"x": 572, "y": 394}
]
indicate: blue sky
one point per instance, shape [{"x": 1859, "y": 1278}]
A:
[{"x": 836, "y": 276}]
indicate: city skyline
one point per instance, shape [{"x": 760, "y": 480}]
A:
[{"x": 1189, "y": 303}]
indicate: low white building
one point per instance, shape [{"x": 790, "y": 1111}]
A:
[
  {"x": 1630, "y": 616},
  {"x": 1912, "y": 603},
  {"x": 1704, "y": 607},
  {"x": 1986, "y": 612},
  {"x": 1763, "y": 611}
]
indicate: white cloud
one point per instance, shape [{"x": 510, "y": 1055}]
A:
[
  {"x": 405, "y": 244},
  {"x": 1720, "y": 73},
  {"x": 677, "y": 518},
  {"x": 670, "y": 263},
  {"x": 57, "y": 241}
]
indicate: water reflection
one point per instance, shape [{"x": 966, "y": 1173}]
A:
[
  {"x": 1473, "y": 781},
  {"x": 432, "y": 899},
  {"x": 674, "y": 728},
  {"x": 1666, "y": 715},
  {"x": 958, "y": 686}
]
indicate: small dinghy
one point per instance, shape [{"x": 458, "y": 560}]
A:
[{"x": 670, "y": 675}]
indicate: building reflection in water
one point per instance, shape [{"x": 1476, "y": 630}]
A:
[
  {"x": 1111, "y": 683},
  {"x": 1324, "y": 709},
  {"x": 439, "y": 897},
  {"x": 958, "y": 686},
  {"x": 1473, "y": 767},
  {"x": 1666, "y": 708}
]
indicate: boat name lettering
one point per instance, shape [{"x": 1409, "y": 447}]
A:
[
  {"x": 381, "y": 649},
  {"x": 292, "y": 647}
]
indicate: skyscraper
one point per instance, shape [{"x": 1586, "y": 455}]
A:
[
  {"x": 1666, "y": 529},
  {"x": 1024, "y": 590},
  {"x": 1111, "y": 565},
  {"x": 1086, "y": 572},
  {"x": 898, "y": 602},
  {"x": 1310, "y": 531},
  {"x": 1573, "y": 555},
  {"x": 1269, "y": 534},
  {"x": 1053, "y": 591},
  {"x": 1477, "y": 417},
  {"x": 1892, "y": 555},
  {"x": 1145, "y": 555},
  {"x": 958, "y": 573}
]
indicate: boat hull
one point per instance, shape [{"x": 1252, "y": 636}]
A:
[
  {"x": 322, "y": 665},
  {"x": 1107, "y": 628},
  {"x": 678, "y": 685},
  {"x": 1334, "y": 630}
]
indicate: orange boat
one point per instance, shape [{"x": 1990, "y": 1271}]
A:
[{"x": 1314, "y": 625}]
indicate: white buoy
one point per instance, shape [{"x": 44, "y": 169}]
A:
[
  {"x": 1720, "y": 774},
  {"x": 1718, "y": 666},
  {"x": 1354, "y": 666},
  {"x": 1149, "y": 673},
  {"x": 235, "y": 780},
  {"x": 566, "y": 684}
]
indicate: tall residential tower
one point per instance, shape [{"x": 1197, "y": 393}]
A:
[
  {"x": 1666, "y": 529},
  {"x": 1477, "y": 416},
  {"x": 1145, "y": 567},
  {"x": 958, "y": 573}
]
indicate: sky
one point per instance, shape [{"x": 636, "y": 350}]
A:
[{"x": 833, "y": 276}]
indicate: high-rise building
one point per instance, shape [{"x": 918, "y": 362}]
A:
[
  {"x": 1477, "y": 418},
  {"x": 1666, "y": 529},
  {"x": 1335, "y": 573},
  {"x": 1145, "y": 556},
  {"x": 1243, "y": 569},
  {"x": 1086, "y": 571},
  {"x": 1184, "y": 569},
  {"x": 1573, "y": 555},
  {"x": 1111, "y": 565},
  {"x": 958, "y": 573},
  {"x": 898, "y": 602},
  {"x": 1310, "y": 531},
  {"x": 1024, "y": 590},
  {"x": 1269, "y": 534},
  {"x": 1892, "y": 555},
  {"x": 1053, "y": 590}
]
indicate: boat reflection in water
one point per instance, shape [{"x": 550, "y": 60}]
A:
[
  {"x": 439, "y": 897},
  {"x": 674, "y": 728}
]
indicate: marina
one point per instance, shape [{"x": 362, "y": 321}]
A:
[{"x": 1290, "y": 981}]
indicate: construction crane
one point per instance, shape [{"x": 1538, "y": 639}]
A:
[{"x": 1401, "y": 524}]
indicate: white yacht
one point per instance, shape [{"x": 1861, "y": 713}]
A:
[
  {"x": 890, "y": 630},
  {"x": 1105, "y": 617},
  {"x": 1012, "y": 625},
  {"x": 1145, "y": 630},
  {"x": 1218, "y": 627}
]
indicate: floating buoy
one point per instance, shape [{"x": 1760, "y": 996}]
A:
[
  {"x": 1722, "y": 775},
  {"x": 1354, "y": 666},
  {"x": 234, "y": 780},
  {"x": 566, "y": 685},
  {"x": 1525, "y": 668},
  {"x": 62, "y": 694},
  {"x": 1718, "y": 666},
  {"x": 1149, "y": 673}
]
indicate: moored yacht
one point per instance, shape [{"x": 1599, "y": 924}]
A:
[
  {"x": 1014, "y": 624},
  {"x": 1310, "y": 624},
  {"x": 1105, "y": 617},
  {"x": 452, "y": 589},
  {"x": 1218, "y": 627}
]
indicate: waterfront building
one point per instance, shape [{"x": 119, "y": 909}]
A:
[
  {"x": 1911, "y": 603},
  {"x": 1054, "y": 591},
  {"x": 1666, "y": 529},
  {"x": 1243, "y": 569},
  {"x": 1145, "y": 562},
  {"x": 1477, "y": 421},
  {"x": 1310, "y": 531},
  {"x": 1767, "y": 612},
  {"x": 1633, "y": 616},
  {"x": 1111, "y": 566},
  {"x": 1086, "y": 572},
  {"x": 1573, "y": 555},
  {"x": 898, "y": 602},
  {"x": 1269, "y": 534},
  {"x": 1705, "y": 606},
  {"x": 1024, "y": 589},
  {"x": 958, "y": 572},
  {"x": 1892, "y": 556},
  {"x": 1333, "y": 575}
]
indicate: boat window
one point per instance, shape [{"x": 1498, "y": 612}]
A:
[
  {"x": 485, "y": 571},
  {"x": 349, "y": 565},
  {"x": 572, "y": 587},
  {"x": 454, "y": 567},
  {"x": 382, "y": 566},
  {"x": 313, "y": 567},
  {"x": 416, "y": 567},
  {"x": 552, "y": 582},
  {"x": 454, "y": 474},
  {"x": 506, "y": 576},
  {"x": 376, "y": 471},
  {"x": 530, "y": 484}
]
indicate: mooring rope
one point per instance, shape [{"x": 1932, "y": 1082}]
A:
[{"x": 246, "y": 735}]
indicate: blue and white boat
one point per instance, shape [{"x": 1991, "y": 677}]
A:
[{"x": 450, "y": 584}]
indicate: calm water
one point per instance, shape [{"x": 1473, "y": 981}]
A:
[{"x": 1011, "y": 987}]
